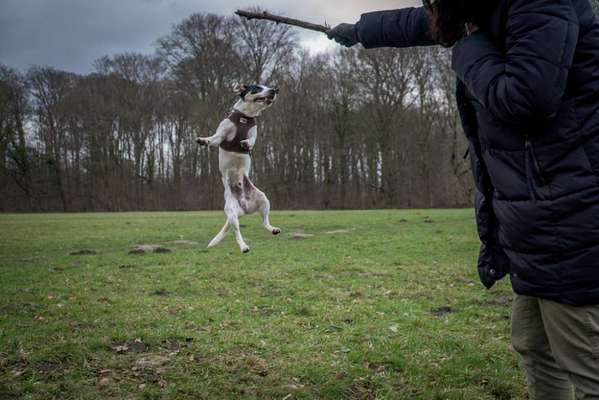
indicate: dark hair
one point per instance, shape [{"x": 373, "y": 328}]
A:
[{"x": 449, "y": 18}]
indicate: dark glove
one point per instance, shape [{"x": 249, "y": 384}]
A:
[
  {"x": 344, "y": 34},
  {"x": 493, "y": 264}
]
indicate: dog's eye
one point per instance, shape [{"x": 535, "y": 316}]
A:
[{"x": 255, "y": 89}]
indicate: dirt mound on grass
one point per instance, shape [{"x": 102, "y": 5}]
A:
[
  {"x": 84, "y": 253},
  {"x": 149, "y": 248}
]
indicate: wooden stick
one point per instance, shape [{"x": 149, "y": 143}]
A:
[{"x": 265, "y": 15}]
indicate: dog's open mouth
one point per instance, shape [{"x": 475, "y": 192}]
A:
[{"x": 266, "y": 100}]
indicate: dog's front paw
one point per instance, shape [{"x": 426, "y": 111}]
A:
[
  {"x": 245, "y": 249},
  {"x": 246, "y": 145},
  {"x": 203, "y": 141},
  {"x": 276, "y": 231}
]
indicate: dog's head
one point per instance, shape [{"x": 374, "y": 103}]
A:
[{"x": 258, "y": 97}]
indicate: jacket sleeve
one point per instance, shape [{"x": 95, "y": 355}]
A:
[
  {"x": 493, "y": 263},
  {"x": 527, "y": 80},
  {"x": 406, "y": 27}
]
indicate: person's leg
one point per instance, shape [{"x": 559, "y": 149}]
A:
[
  {"x": 546, "y": 381},
  {"x": 573, "y": 334}
]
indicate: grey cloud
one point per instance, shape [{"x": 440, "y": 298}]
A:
[{"x": 71, "y": 34}]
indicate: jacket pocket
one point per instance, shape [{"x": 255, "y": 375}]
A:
[{"x": 562, "y": 169}]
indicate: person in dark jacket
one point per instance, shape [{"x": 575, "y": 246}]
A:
[{"x": 528, "y": 96}]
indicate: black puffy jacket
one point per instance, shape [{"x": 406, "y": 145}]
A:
[{"x": 528, "y": 94}]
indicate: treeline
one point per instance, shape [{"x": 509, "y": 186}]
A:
[{"x": 353, "y": 129}]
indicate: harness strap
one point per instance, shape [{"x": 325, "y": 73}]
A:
[{"x": 243, "y": 125}]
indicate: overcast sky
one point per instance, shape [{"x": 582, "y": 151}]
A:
[{"x": 71, "y": 34}]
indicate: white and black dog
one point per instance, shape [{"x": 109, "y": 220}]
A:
[{"x": 236, "y": 136}]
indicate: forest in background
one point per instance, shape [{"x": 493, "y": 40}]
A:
[{"x": 351, "y": 129}]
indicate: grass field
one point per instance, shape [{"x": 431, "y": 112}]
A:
[{"x": 374, "y": 305}]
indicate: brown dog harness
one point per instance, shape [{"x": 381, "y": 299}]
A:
[{"x": 243, "y": 125}]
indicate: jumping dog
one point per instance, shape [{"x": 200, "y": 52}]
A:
[{"x": 236, "y": 137}]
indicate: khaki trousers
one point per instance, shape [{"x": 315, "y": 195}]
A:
[{"x": 560, "y": 348}]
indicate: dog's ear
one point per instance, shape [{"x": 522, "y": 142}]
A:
[{"x": 240, "y": 89}]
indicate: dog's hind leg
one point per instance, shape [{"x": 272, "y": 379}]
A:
[
  {"x": 264, "y": 210},
  {"x": 234, "y": 209},
  {"x": 233, "y": 221},
  {"x": 221, "y": 235}
]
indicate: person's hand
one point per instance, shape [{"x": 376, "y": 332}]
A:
[{"x": 344, "y": 34}]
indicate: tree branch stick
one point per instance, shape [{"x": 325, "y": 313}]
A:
[{"x": 264, "y": 15}]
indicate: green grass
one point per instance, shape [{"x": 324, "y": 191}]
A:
[{"x": 389, "y": 309}]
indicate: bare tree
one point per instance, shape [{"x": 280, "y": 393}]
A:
[
  {"x": 48, "y": 89},
  {"x": 386, "y": 84},
  {"x": 16, "y": 156},
  {"x": 263, "y": 47},
  {"x": 201, "y": 55},
  {"x": 344, "y": 101},
  {"x": 139, "y": 80}
]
